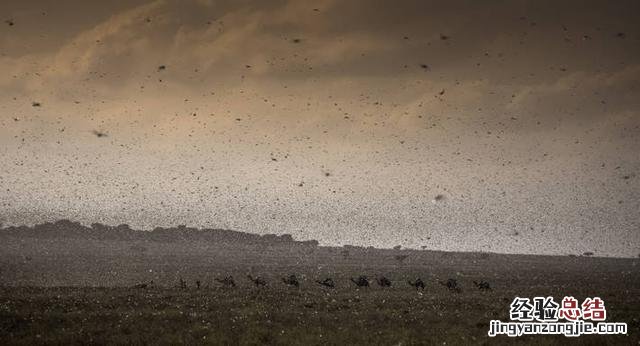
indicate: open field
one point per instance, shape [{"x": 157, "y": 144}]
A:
[
  {"x": 74, "y": 290},
  {"x": 280, "y": 315}
]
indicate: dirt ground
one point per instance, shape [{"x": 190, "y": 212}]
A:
[{"x": 79, "y": 291}]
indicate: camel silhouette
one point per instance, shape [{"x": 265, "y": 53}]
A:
[
  {"x": 418, "y": 284},
  {"x": 483, "y": 285},
  {"x": 452, "y": 285},
  {"x": 227, "y": 281},
  {"x": 144, "y": 285},
  {"x": 291, "y": 280},
  {"x": 362, "y": 281},
  {"x": 383, "y": 282},
  {"x": 328, "y": 282},
  {"x": 258, "y": 281}
]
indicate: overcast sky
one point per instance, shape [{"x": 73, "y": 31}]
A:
[{"x": 339, "y": 121}]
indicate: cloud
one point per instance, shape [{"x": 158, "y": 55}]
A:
[
  {"x": 583, "y": 96},
  {"x": 120, "y": 31}
]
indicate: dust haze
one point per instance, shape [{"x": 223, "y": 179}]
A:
[{"x": 497, "y": 126}]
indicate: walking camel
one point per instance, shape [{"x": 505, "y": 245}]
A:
[
  {"x": 227, "y": 281},
  {"x": 418, "y": 284},
  {"x": 291, "y": 280},
  {"x": 258, "y": 281},
  {"x": 328, "y": 282},
  {"x": 482, "y": 285},
  {"x": 452, "y": 285},
  {"x": 383, "y": 282},
  {"x": 362, "y": 281}
]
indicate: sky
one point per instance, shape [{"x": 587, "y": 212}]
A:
[{"x": 503, "y": 126}]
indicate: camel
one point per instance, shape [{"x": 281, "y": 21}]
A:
[
  {"x": 183, "y": 284},
  {"x": 198, "y": 283},
  {"x": 227, "y": 281},
  {"x": 143, "y": 285},
  {"x": 482, "y": 285},
  {"x": 328, "y": 282},
  {"x": 258, "y": 281},
  {"x": 362, "y": 281},
  {"x": 452, "y": 285},
  {"x": 383, "y": 282},
  {"x": 418, "y": 284},
  {"x": 291, "y": 280}
]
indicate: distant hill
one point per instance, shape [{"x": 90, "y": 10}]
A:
[
  {"x": 97, "y": 231},
  {"x": 66, "y": 253}
]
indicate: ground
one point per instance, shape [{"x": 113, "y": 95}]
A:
[{"x": 81, "y": 291}]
